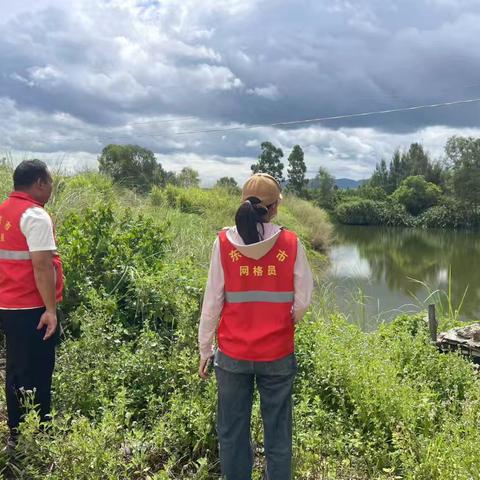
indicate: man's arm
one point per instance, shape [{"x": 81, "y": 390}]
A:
[
  {"x": 37, "y": 227},
  {"x": 45, "y": 280}
]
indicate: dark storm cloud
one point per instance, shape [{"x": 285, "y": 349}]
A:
[
  {"x": 73, "y": 79},
  {"x": 359, "y": 56}
]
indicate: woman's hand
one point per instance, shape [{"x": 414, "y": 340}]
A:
[{"x": 204, "y": 366}]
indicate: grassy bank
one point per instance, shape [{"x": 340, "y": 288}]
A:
[{"x": 129, "y": 404}]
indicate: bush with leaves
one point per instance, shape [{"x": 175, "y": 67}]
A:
[
  {"x": 450, "y": 213},
  {"x": 359, "y": 212},
  {"x": 107, "y": 251},
  {"x": 416, "y": 194},
  {"x": 393, "y": 214}
]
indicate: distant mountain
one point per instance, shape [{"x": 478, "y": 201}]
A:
[
  {"x": 343, "y": 183},
  {"x": 348, "y": 183}
]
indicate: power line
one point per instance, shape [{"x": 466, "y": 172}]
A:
[
  {"x": 376, "y": 97},
  {"x": 168, "y": 120},
  {"x": 110, "y": 136},
  {"x": 334, "y": 117}
]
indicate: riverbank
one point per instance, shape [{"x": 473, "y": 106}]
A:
[
  {"x": 447, "y": 214},
  {"x": 129, "y": 404}
]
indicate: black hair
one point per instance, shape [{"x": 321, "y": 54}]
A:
[
  {"x": 28, "y": 172},
  {"x": 248, "y": 215}
]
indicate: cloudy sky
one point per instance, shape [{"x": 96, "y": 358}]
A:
[{"x": 76, "y": 75}]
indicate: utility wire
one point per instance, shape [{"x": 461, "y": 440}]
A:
[
  {"x": 370, "y": 97},
  {"x": 334, "y": 117},
  {"x": 356, "y": 99},
  {"x": 109, "y": 136},
  {"x": 168, "y": 120}
]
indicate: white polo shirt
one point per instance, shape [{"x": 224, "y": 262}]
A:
[{"x": 37, "y": 227}]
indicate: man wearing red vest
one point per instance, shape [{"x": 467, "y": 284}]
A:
[{"x": 31, "y": 282}]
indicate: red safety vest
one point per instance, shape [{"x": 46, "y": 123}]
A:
[
  {"x": 256, "y": 322},
  {"x": 18, "y": 289}
]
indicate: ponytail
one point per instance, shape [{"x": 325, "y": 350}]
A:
[{"x": 248, "y": 215}]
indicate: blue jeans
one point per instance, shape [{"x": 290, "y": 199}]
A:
[{"x": 235, "y": 380}]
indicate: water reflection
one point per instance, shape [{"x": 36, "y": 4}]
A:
[{"x": 379, "y": 270}]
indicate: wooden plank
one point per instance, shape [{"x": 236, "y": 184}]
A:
[{"x": 432, "y": 322}]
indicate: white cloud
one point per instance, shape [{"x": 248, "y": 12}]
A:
[
  {"x": 45, "y": 75},
  {"x": 78, "y": 76},
  {"x": 212, "y": 77},
  {"x": 270, "y": 92}
]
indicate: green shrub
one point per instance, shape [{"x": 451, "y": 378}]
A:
[
  {"x": 105, "y": 251},
  {"x": 370, "y": 212},
  {"x": 359, "y": 212},
  {"x": 178, "y": 197},
  {"x": 158, "y": 197},
  {"x": 416, "y": 194},
  {"x": 393, "y": 214},
  {"x": 382, "y": 400},
  {"x": 449, "y": 214}
]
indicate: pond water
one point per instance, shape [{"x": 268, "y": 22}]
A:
[{"x": 375, "y": 273}]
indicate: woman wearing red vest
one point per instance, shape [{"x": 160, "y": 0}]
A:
[
  {"x": 259, "y": 286},
  {"x": 31, "y": 282}
]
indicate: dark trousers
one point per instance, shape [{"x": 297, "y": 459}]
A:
[
  {"x": 30, "y": 362},
  {"x": 235, "y": 380}
]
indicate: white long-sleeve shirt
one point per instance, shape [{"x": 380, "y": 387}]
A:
[{"x": 215, "y": 289}]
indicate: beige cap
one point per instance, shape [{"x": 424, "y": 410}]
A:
[{"x": 264, "y": 187}]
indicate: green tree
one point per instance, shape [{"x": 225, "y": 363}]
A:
[
  {"x": 326, "y": 193},
  {"x": 228, "y": 183},
  {"x": 464, "y": 157},
  {"x": 132, "y": 166},
  {"x": 371, "y": 193},
  {"x": 188, "y": 177},
  {"x": 396, "y": 172},
  {"x": 171, "y": 178},
  {"x": 296, "y": 171},
  {"x": 269, "y": 161},
  {"x": 407, "y": 164},
  {"x": 380, "y": 176},
  {"x": 416, "y": 194},
  {"x": 419, "y": 163}
]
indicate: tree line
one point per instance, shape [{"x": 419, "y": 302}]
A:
[
  {"x": 137, "y": 168},
  {"x": 415, "y": 190},
  {"x": 412, "y": 189}
]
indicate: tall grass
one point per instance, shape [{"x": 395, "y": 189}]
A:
[
  {"x": 442, "y": 299},
  {"x": 196, "y": 215},
  {"x": 6, "y": 183},
  {"x": 310, "y": 222}
]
